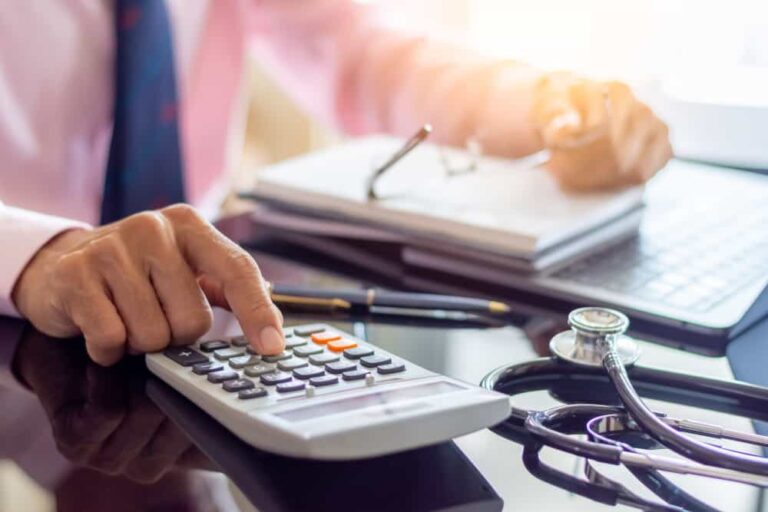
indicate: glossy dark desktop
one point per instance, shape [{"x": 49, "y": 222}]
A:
[{"x": 119, "y": 439}]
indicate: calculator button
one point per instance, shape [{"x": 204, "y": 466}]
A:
[
  {"x": 374, "y": 361},
  {"x": 238, "y": 385},
  {"x": 322, "y": 338},
  {"x": 308, "y": 372},
  {"x": 357, "y": 353},
  {"x": 355, "y": 375},
  {"x": 307, "y": 350},
  {"x": 210, "y": 346},
  {"x": 270, "y": 379},
  {"x": 386, "y": 369},
  {"x": 308, "y": 330},
  {"x": 325, "y": 380},
  {"x": 205, "y": 368},
  {"x": 341, "y": 367},
  {"x": 294, "y": 342},
  {"x": 248, "y": 394},
  {"x": 185, "y": 356},
  {"x": 277, "y": 357},
  {"x": 239, "y": 341},
  {"x": 291, "y": 364},
  {"x": 287, "y": 387},
  {"x": 221, "y": 376},
  {"x": 226, "y": 354},
  {"x": 323, "y": 359},
  {"x": 259, "y": 370},
  {"x": 243, "y": 361},
  {"x": 341, "y": 345}
]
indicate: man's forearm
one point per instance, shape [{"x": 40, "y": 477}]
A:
[{"x": 338, "y": 60}]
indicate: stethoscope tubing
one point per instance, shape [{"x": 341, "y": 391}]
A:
[
  {"x": 725, "y": 396},
  {"x": 684, "y": 445}
]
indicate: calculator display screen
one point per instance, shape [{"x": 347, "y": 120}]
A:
[{"x": 360, "y": 402}]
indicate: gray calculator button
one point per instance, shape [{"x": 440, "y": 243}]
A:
[
  {"x": 325, "y": 380},
  {"x": 239, "y": 341},
  {"x": 221, "y": 376},
  {"x": 355, "y": 375},
  {"x": 210, "y": 346},
  {"x": 259, "y": 370},
  {"x": 308, "y": 330},
  {"x": 294, "y": 342},
  {"x": 243, "y": 361},
  {"x": 270, "y": 379},
  {"x": 341, "y": 367},
  {"x": 386, "y": 369},
  {"x": 307, "y": 350},
  {"x": 308, "y": 372},
  {"x": 322, "y": 359},
  {"x": 277, "y": 357},
  {"x": 185, "y": 356},
  {"x": 358, "y": 352},
  {"x": 238, "y": 385},
  {"x": 287, "y": 387},
  {"x": 252, "y": 393},
  {"x": 205, "y": 368},
  {"x": 374, "y": 361},
  {"x": 226, "y": 354},
  {"x": 291, "y": 364}
]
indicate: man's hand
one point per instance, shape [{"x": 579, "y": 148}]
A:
[
  {"x": 598, "y": 134},
  {"x": 144, "y": 282}
]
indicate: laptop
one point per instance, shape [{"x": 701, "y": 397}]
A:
[{"x": 697, "y": 271}]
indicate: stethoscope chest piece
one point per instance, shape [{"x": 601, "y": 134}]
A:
[{"x": 591, "y": 330}]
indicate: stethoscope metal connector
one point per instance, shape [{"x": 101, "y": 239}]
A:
[{"x": 593, "y": 331}]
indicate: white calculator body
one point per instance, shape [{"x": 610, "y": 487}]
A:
[{"x": 328, "y": 396}]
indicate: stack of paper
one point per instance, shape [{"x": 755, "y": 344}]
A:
[{"x": 509, "y": 213}]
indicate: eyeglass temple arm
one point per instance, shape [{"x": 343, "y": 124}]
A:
[{"x": 411, "y": 144}]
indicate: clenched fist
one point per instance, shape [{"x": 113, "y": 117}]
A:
[
  {"x": 598, "y": 134},
  {"x": 146, "y": 281}
]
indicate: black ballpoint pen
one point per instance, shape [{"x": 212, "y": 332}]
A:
[{"x": 371, "y": 297}]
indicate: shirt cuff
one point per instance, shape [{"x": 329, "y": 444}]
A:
[{"x": 22, "y": 234}]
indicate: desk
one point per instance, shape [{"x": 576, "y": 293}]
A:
[{"x": 102, "y": 418}]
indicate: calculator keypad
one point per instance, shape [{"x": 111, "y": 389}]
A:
[{"x": 314, "y": 356}]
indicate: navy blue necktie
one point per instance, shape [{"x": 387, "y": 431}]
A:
[{"x": 144, "y": 170}]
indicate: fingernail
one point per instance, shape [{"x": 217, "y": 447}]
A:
[{"x": 271, "y": 341}]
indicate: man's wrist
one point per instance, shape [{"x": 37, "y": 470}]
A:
[{"x": 26, "y": 279}]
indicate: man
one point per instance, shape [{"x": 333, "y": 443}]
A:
[{"x": 111, "y": 110}]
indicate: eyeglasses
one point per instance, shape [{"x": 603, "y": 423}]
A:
[{"x": 452, "y": 168}]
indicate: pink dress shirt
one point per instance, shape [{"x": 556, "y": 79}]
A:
[{"x": 335, "y": 57}]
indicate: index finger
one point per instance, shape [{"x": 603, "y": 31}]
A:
[{"x": 211, "y": 253}]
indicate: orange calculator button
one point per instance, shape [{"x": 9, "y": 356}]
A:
[
  {"x": 322, "y": 338},
  {"x": 341, "y": 345}
]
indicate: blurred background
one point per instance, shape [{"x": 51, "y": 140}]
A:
[{"x": 713, "y": 53}]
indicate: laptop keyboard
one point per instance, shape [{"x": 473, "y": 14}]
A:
[{"x": 685, "y": 258}]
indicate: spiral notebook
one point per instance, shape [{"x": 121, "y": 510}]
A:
[{"x": 508, "y": 209}]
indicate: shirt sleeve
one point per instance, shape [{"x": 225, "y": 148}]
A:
[
  {"x": 22, "y": 234},
  {"x": 342, "y": 62}
]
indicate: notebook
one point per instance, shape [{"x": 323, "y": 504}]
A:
[{"x": 510, "y": 209}]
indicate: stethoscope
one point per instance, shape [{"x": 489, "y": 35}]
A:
[{"x": 598, "y": 356}]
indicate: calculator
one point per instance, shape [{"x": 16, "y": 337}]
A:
[{"x": 328, "y": 396}]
